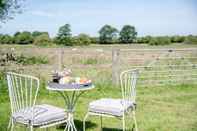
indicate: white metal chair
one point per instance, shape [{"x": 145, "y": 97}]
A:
[
  {"x": 118, "y": 108},
  {"x": 23, "y": 91}
]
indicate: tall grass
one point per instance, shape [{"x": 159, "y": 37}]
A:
[{"x": 24, "y": 60}]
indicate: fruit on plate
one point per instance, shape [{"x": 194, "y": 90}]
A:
[
  {"x": 65, "y": 80},
  {"x": 84, "y": 81},
  {"x": 76, "y": 80}
]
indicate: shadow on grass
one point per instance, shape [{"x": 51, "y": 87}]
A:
[
  {"x": 111, "y": 129},
  {"x": 79, "y": 125},
  {"x": 116, "y": 129}
]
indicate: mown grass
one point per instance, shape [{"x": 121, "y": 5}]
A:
[{"x": 170, "y": 108}]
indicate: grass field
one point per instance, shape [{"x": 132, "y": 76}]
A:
[
  {"x": 160, "y": 108},
  {"x": 95, "y": 61}
]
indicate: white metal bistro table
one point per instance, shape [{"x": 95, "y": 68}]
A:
[{"x": 70, "y": 93}]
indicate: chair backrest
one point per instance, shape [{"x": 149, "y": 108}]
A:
[
  {"x": 128, "y": 81},
  {"x": 23, "y": 90}
]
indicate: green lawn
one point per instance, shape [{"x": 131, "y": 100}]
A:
[{"x": 170, "y": 108}]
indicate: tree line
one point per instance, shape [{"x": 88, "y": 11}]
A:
[{"x": 107, "y": 35}]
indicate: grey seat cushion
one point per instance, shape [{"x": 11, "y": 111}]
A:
[
  {"x": 43, "y": 115},
  {"x": 108, "y": 106}
]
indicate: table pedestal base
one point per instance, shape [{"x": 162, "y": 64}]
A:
[
  {"x": 70, "y": 101},
  {"x": 70, "y": 126}
]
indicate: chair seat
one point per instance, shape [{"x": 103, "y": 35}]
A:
[
  {"x": 108, "y": 106},
  {"x": 43, "y": 115}
]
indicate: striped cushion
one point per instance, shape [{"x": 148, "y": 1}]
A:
[
  {"x": 43, "y": 115},
  {"x": 110, "y": 106}
]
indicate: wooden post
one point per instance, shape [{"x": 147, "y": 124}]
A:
[
  {"x": 115, "y": 66},
  {"x": 60, "y": 59}
]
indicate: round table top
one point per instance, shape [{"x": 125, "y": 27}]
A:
[{"x": 69, "y": 87}]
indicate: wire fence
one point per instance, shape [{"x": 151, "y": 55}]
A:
[{"x": 160, "y": 67}]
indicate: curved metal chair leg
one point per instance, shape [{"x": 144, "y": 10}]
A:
[
  {"x": 31, "y": 128},
  {"x": 10, "y": 123},
  {"x": 84, "y": 121},
  {"x": 135, "y": 121},
  {"x": 47, "y": 129},
  {"x": 101, "y": 122},
  {"x": 123, "y": 123}
]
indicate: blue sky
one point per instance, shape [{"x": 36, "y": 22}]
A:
[{"x": 150, "y": 17}]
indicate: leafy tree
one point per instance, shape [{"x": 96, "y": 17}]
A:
[
  {"x": 15, "y": 37},
  {"x": 42, "y": 40},
  {"x": 1, "y": 38},
  {"x": 6, "y": 39},
  {"x": 38, "y": 33},
  {"x": 191, "y": 39},
  {"x": 23, "y": 38},
  {"x": 177, "y": 39},
  {"x": 140, "y": 40},
  {"x": 83, "y": 39},
  {"x": 94, "y": 40},
  {"x": 64, "y": 35},
  {"x": 107, "y": 34},
  {"x": 128, "y": 34},
  {"x": 153, "y": 41},
  {"x": 17, "y": 33},
  {"x": 8, "y": 8}
]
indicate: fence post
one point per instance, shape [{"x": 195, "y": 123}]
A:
[
  {"x": 60, "y": 59},
  {"x": 115, "y": 66}
]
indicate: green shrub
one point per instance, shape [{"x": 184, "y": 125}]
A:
[
  {"x": 94, "y": 40},
  {"x": 145, "y": 39},
  {"x": 6, "y": 39},
  {"x": 67, "y": 41},
  {"x": 31, "y": 60},
  {"x": 23, "y": 38},
  {"x": 153, "y": 41},
  {"x": 42, "y": 40},
  {"x": 81, "y": 39},
  {"x": 38, "y": 33},
  {"x": 191, "y": 39},
  {"x": 160, "y": 41},
  {"x": 177, "y": 39}
]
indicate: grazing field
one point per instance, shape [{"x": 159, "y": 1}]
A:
[
  {"x": 155, "y": 62},
  {"x": 166, "y": 107}
]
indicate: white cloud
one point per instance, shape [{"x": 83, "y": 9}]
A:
[{"x": 42, "y": 13}]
